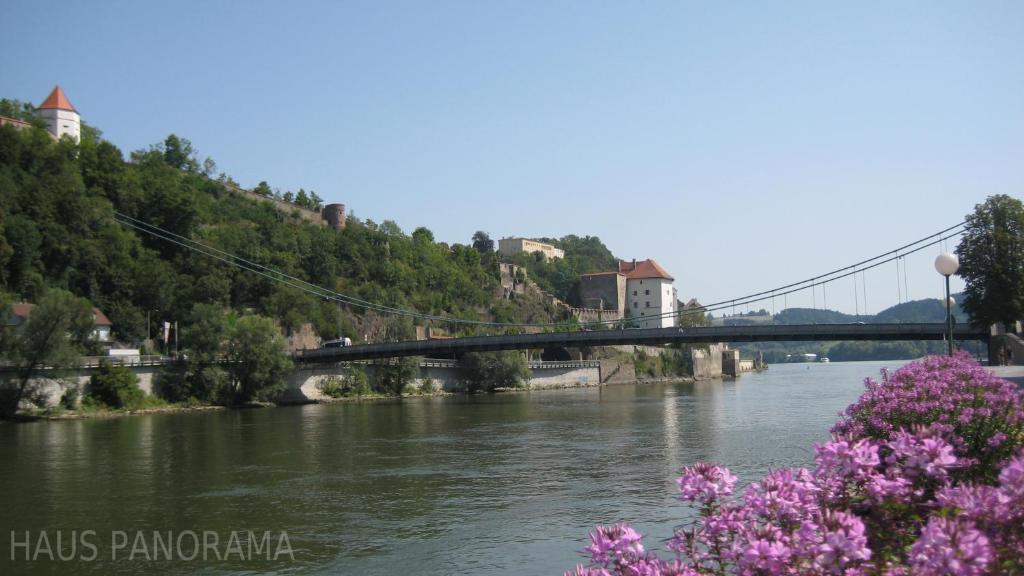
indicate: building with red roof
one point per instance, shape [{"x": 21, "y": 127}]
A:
[
  {"x": 60, "y": 115},
  {"x": 20, "y": 311},
  {"x": 641, "y": 290}
]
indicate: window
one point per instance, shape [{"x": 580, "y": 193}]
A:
[
  {"x": 648, "y": 304},
  {"x": 634, "y": 292},
  {"x": 642, "y": 314},
  {"x": 636, "y": 304},
  {"x": 647, "y": 292}
]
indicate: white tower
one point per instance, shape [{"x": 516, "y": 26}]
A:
[{"x": 60, "y": 115}]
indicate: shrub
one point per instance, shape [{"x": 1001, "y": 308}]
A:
[
  {"x": 353, "y": 383},
  {"x": 69, "y": 400},
  {"x": 393, "y": 376},
  {"x": 115, "y": 386},
  {"x": 911, "y": 483},
  {"x": 487, "y": 371}
]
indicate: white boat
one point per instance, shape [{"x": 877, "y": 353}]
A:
[{"x": 824, "y": 360}]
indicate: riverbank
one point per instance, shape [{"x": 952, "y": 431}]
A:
[{"x": 62, "y": 414}]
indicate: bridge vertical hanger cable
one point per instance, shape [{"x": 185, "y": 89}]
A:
[
  {"x": 814, "y": 303},
  {"x": 899, "y": 294},
  {"x": 906, "y": 290},
  {"x": 864, "y": 292},
  {"x": 856, "y": 296}
]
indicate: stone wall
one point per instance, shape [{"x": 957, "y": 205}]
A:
[
  {"x": 707, "y": 363},
  {"x": 445, "y": 376},
  {"x": 286, "y": 208},
  {"x": 731, "y": 363},
  {"x": 604, "y": 292},
  {"x": 53, "y": 388}
]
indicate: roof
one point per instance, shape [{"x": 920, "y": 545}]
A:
[
  {"x": 24, "y": 309},
  {"x": 643, "y": 269},
  {"x": 57, "y": 100},
  {"x": 100, "y": 318},
  {"x": 601, "y": 274}
]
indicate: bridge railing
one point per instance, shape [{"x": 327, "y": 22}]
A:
[{"x": 142, "y": 360}]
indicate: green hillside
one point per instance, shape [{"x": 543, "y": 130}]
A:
[{"x": 57, "y": 229}]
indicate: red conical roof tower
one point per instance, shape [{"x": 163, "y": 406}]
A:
[{"x": 57, "y": 101}]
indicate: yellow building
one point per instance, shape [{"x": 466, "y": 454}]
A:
[{"x": 512, "y": 246}]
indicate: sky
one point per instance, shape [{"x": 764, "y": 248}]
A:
[{"x": 742, "y": 145}]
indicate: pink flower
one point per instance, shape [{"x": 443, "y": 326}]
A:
[
  {"x": 609, "y": 544},
  {"x": 950, "y": 547},
  {"x": 705, "y": 483}
]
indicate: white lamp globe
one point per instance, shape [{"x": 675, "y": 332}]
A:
[
  {"x": 952, "y": 302},
  {"x": 946, "y": 264}
]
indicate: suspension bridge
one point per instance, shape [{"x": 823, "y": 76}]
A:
[
  {"x": 645, "y": 336},
  {"x": 533, "y": 336}
]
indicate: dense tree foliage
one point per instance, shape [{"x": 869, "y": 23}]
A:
[
  {"x": 991, "y": 256},
  {"x": 394, "y": 375},
  {"x": 54, "y": 336},
  {"x": 486, "y": 371},
  {"x": 57, "y": 229},
  {"x": 115, "y": 387},
  {"x": 257, "y": 363}
]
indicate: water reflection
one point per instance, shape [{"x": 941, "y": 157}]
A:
[{"x": 484, "y": 485}]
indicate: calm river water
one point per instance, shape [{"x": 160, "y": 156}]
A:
[{"x": 505, "y": 484}]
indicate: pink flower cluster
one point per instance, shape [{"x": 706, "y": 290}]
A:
[{"x": 923, "y": 476}]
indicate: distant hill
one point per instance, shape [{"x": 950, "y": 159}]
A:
[{"x": 925, "y": 310}]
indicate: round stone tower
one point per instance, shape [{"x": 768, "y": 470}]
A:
[
  {"x": 335, "y": 215},
  {"x": 60, "y": 115}
]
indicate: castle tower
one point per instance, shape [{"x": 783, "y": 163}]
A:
[
  {"x": 335, "y": 216},
  {"x": 60, "y": 115}
]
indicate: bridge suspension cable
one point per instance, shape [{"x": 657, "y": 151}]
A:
[{"x": 281, "y": 277}]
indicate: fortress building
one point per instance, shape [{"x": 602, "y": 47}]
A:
[
  {"x": 640, "y": 290},
  {"x": 61, "y": 117},
  {"x": 59, "y": 114}
]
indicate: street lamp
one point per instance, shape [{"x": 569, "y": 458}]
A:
[{"x": 947, "y": 265}]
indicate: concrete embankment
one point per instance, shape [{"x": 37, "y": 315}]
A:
[
  {"x": 303, "y": 382},
  {"x": 444, "y": 376}
]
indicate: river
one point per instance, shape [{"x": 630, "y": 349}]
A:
[{"x": 502, "y": 484}]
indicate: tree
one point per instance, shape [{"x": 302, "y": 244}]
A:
[
  {"x": 53, "y": 336},
  {"x": 991, "y": 255},
  {"x": 115, "y": 386},
  {"x": 487, "y": 371},
  {"x": 482, "y": 242},
  {"x": 393, "y": 376},
  {"x": 256, "y": 359},
  {"x": 178, "y": 153},
  {"x": 263, "y": 189}
]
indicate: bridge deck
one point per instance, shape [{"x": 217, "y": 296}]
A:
[{"x": 702, "y": 335}]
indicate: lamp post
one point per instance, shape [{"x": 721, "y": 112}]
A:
[{"x": 947, "y": 265}]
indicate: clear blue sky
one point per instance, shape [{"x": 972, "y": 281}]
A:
[{"x": 741, "y": 145}]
